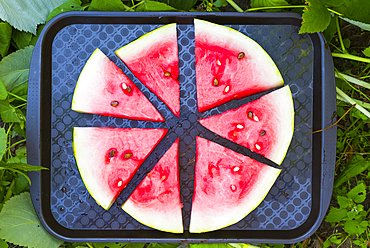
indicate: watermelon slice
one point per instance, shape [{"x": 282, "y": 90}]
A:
[
  {"x": 107, "y": 158},
  {"x": 265, "y": 125},
  {"x": 227, "y": 186},
  {"x": 229, "y": 65},
  {"x": 156, "y": 201},
  {"x": 154, "y": 60},
  {"x": 102, "y": 88}
]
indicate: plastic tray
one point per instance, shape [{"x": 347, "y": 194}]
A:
[{"x": 295, "y": 205}]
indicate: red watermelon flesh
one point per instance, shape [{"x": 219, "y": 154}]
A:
[
  {"x": 103, "y": 89},
  {"x": 156, "y": 201},
  {"x": 107, "y": 158},
  {"x": 227, "y": 186},
  {"x": 153, "y": 59},
  {"x": 229, "y": 65},
  {"x": 264, "y": 126}
]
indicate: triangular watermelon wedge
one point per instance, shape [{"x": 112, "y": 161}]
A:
[
  {"x": 154, "y": 60},
  {"x": 264, "y": 126},
  {"x": 227, "y": 186},
  {"x": 229, "y": 65},
  {"x": 156, "y": 201},
  {"x": 103, "y": 89},
  {"x": 107, "y": 158}
]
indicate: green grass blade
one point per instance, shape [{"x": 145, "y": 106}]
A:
[
  {"x": 352, "y": 102},
  {"x": 353, "y": 80}
]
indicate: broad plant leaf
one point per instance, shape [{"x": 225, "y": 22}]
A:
[
  {"x": 38, "y": 32},
  {"x": 336, "y": 215},
  {"x": 112, "y": 245},
  {"x": 357, "y": 10},
  {"x": 21, "y": 39},
  {"x": 67, "y": 6},
  {"x": 148, "y": 5},
  {"x": 21, "y": 166},
  {"x": 343, "y": 201},
  {"x": 20, "y": 225},
  {"x": 331, "y": 30},
  {"x": 3, "y": 91},
  {"x": 21, "y": 184},
  {"x": 366, "y": 52},
  {"x": 355, "y": 227},
  {"x": 8, "y": 113},
  {"x": 108, "y": 5},
  {"x": 15, "y": 67},
  {"x": 220, "y": 3},
  {"x": 5, "y": 37},
  {"x": 183, "y": 4},
  {"x": 365, "y": 26},
  {"x": 26, "y": 15},
  {"x": 316, "y": 17},
  {"x": 356, "y": 166},
  {"x": 358, "y": 193},
  {"x": 333, "y": 3},
  {"x": 268, "y": 3},
  {"x": 3, "y": 142}
]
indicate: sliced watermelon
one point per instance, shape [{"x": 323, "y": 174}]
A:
[
  {"x": 103, "y": 89},
  {"x": 107, "y": 158},
  {"x": 156, "y": 201},
  {"x": 154, "y": 60},
  {"x": 227, "y": 186},
  {"x": 229, "y": 65},
  {"x": 265, "y": 125}
]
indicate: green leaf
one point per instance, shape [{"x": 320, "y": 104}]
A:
[
  {"x": 3, "y": 142},
  {"x": 357, "y": 10},
  {"x": 336, "y": 215},
  {"x": 21, "y": 39},
  {"x": 26, "y": 15},
  {"x": 21, "y": 166},
  {"x": 220, "y": 3},
  {"x": 218, "y": 245},
  {"x": 366, "y": 52},
  {"x": 331, "y": 30},
  {"x": 343, "y": 201},
  {"x": 19, "y": 129},
  {"x": 15, "y": 67},
  {"x": 110, "y": 245},
  {"x": 3, "y": 91},
  {"x": 351, "y": 214},
  {"x": 358, "y": 193},
  {"x": 316, "y": 17},
  {"x": 356, "y": 166},
  {"x": 38, "y": 32},
  {"x": 148, "y": 5},
  {"x": 7, "y": 112},
  {"x": 67, "y": 6},
  {"x": 162, "y": 245},
  {"x": 268, "y": 3},
  {"x": 21, "y": 185},
  {"x": 333, "y": 3},
  {"x": 5, "y": 37},
  {"x": 107, "y": 5},
  {"x": 355, "y": 227},
  {"x": 362, "y": 25},
  {"x": 3, "y": 244},
  {"x": 20, "y": 225}
]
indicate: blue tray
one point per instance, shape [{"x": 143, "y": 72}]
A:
[{"x": 295, "y": 205}]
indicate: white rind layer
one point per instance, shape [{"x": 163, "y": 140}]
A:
[
  {"x": 285, "y": 110},
  {"x": 224, "y": 36}
]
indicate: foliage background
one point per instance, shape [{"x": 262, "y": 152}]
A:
[{"x": 346, "y": 26}]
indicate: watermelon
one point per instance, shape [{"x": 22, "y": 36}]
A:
[
  {"x": 229, "y": 65},
  {"x": 264, "y": 126},
  {"x": 156, "y": 201},
  {"x": 227, "y": 186},
  {"x": 102, "y": 88},
  {"x": 107, "y": 158},
  {"x": 154, "y": 60}
]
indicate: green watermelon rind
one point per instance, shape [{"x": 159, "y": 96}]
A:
[
  {"x": 201, "y": 222},
  {"x": 171, "y": 222},
  {"x": 79, "y": 137},
  {"x": 228, "y": 36},
  {"x": 85, "y": 89},
  {"x": 136, "y": 48}
]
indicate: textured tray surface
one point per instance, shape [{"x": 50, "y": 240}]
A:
[{"x": 288, "y": 203}]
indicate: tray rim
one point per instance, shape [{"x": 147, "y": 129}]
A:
[{"x": 326, "y": 137}]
